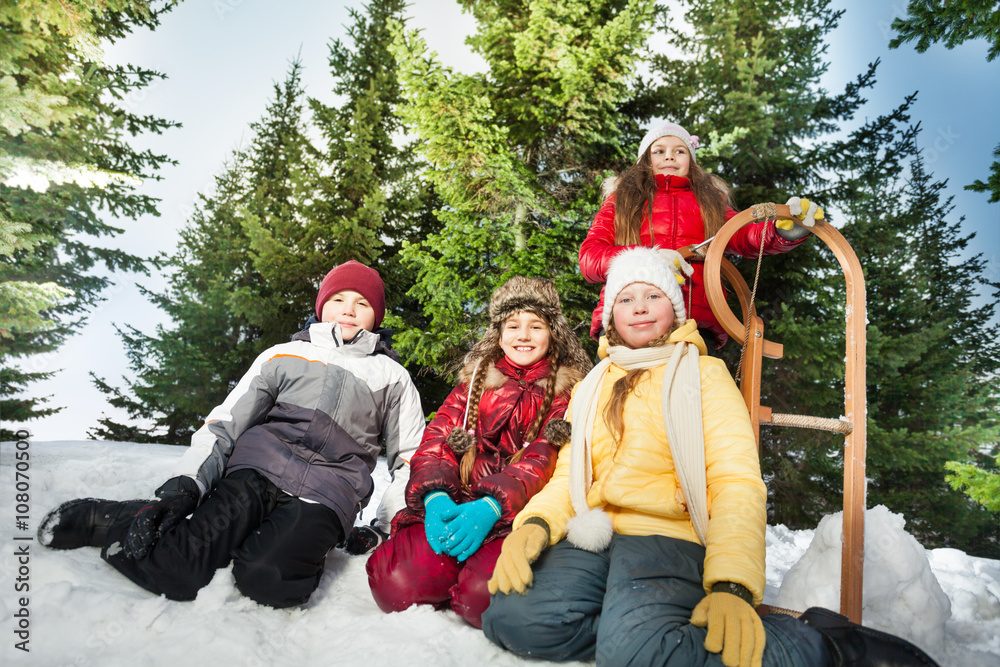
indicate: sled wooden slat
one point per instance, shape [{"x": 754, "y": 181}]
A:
[{"x": 855, "y": 398}]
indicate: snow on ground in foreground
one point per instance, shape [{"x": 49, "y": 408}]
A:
[{"x": 82, "y": 612}]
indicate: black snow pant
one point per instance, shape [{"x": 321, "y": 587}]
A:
[{"x": 277, "y": 543}]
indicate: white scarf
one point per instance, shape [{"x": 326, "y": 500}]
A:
[{"x": 680, "y": 401}]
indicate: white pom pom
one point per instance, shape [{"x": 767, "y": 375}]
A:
[{"x": 590, "y": 531}]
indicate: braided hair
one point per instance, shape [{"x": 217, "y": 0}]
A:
[
  {"x": 476, "y": 390},
  {"x": 519, "y": 294}
]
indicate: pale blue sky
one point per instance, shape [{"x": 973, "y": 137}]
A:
[{"x": 223, "y": 57}]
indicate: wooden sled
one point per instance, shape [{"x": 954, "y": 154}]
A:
[{"x": 855, "y": 400}]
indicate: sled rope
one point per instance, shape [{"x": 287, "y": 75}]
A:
[
  {"x": 771, "y": 609},
  {"x": 805, "y": 421},
  {"x": 766, "y": 212}
]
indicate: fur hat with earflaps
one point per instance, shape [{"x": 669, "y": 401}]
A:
[
  {"x": 517, "y": 295},
  {"x": 538, "y": 296}
]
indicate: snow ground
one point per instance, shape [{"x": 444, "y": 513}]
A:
[{"x": 79, "y": 611}]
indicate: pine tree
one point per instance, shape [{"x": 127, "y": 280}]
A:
[
  {"x": 66, "y": 170},
  {"x": 191, "y": 364},
  {"x": 757, "y": 66},
  {"x": 809, "y": 303},
  {"x": 236, "y": 288},
  {"x": 992, "y": 183},
  {"x": 751, "y": 70},
  {"x": 374, "y": 199},
  {"x": 746, "y": 77},
  {"x": 514, "y": 155},
  {"x": 980, "y": 484},
  {"x": 953, "y": 23},
  {"x": 933, "y": 355},
  {"x": 250, "y": 261},
  {"x": 371, "y": 198},
  {"x": 279, "y": 286}
]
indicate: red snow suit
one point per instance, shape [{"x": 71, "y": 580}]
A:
[{"x": 404, "y": 570}]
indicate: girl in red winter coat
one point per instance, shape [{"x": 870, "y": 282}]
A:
[
  {"x": 482, "y": 456},
  {"x": 666, "y": 200}
]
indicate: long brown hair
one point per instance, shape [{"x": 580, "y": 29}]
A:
[
  {"x": 614, "y": 412},
  {"x": 477, "y": 388},
  {"x": 636, "y": 189}
]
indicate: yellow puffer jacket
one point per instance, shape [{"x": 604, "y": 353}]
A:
[{"x": 636, "y": 482}]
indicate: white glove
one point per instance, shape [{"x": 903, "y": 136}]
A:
[
  {"x": 812, "y": 211},
  {"x": 806, "y": 212},
  {"x": 677, "y": 263}
]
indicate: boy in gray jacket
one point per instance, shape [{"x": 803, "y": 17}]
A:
[{"x": 278, "y": 473}]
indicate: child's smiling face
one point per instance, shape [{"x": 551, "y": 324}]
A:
[
  {"x": 669, "y": 156},
  {"x": 524, "y": 338},
  {"x": 351, "y": 311},
  {"x": 642, "y": 313}
]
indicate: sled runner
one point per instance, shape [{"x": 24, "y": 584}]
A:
[{"x": 756, "y": 347}]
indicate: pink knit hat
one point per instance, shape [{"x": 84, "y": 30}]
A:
[
  {"x": 668, "y": 130},
  {"x": 355, "y": 276}
]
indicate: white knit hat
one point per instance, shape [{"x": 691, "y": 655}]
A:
[
  {"x": 659, "y": 267},
  {"x": 668, "y": 130}
]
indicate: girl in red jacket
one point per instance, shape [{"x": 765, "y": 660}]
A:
[
  {"x": 482, "y": 456},
  {"x": 666, "y": 200}
]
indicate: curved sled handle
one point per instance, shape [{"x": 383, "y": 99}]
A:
[
  {"x": 739, "y": 286},
  {"x": 855, "y": 392}
]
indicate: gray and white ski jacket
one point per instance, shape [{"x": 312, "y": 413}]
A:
[{"x": 311, "y": 415}]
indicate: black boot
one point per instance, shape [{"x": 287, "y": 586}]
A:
[
  {"x": 853, "y": 645},
  {"x": 364, "y": 539},
  {"x": 84, "y": 522}
]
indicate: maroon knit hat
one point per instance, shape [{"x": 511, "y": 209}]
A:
[{"x": 355, "y": 276}]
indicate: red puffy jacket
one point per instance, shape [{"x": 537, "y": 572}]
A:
[
  {"x": 676, "y": 223},
  {"x": 510, "y": 401}
]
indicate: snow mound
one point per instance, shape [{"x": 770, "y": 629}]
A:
[{"x": 901, "y": 594}]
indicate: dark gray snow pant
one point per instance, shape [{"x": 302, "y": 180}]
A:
[{"x": 629, "y": 605}]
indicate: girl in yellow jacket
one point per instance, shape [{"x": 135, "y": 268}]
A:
[{"x": 650, "y": 534}]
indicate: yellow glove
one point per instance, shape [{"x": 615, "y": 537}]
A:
[
  {"x": 519, "y": 550},
  {"x": 734, "y": 628}
]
